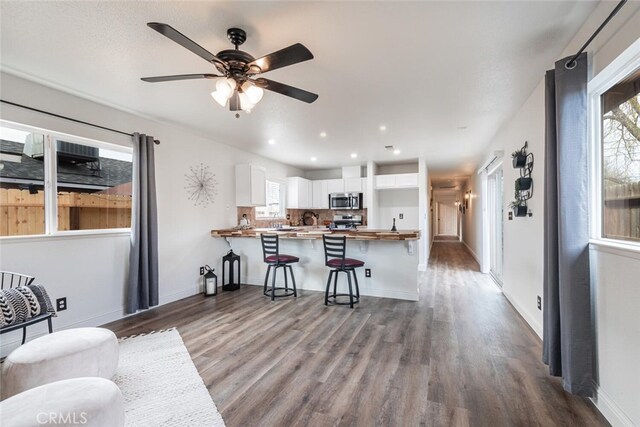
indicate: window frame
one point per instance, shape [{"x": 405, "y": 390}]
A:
[
  {"x": 621, "y": 67},
  {"x": 283, "y": 195},
  {"x": 51, "y": 184}
]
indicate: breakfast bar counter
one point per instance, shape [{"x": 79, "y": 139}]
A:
[
  {"x": 390, "y": 256},
  {"x": 318, "y": 232}
]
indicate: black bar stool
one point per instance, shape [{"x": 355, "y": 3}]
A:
[
  {"x": 272, "y": 256},
  {"x": 335, "y": 249}
]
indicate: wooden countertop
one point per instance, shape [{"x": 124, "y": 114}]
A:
[{"x": 306, "y": 233}]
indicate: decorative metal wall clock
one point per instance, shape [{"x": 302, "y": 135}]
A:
[{"x": 201, "y": 185}]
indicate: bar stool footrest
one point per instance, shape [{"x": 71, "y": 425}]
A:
[
  {"x": 288, "y": 292},
  {"x": 332, "y": 299}
]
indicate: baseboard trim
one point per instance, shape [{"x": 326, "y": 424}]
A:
[
  {"x": 608, "y": 408},
  {"x": 473, "y": 254},
  {"x": 533, "y": 324}
]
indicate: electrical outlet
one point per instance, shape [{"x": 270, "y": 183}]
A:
[
  {"x": 201, "y": 271},
  {"x": 539, "y": 303},
  {"x": 61, "y": 304},
  {"x": 510, "y": 216},
  {"x": 367, "y": 272},
  {"x": 401, "y": 216}
]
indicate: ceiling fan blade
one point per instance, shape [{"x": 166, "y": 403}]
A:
[
  {"x": 178, "y": 77},
  {"x": 184, "y": 41},
  {"x": 287, "y": 90},
  {"x": 234, "y": 102},
  {"x": 284, "y": 57}
]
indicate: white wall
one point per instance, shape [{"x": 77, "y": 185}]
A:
[
  {"x": 90, "y": 271},
  {"x": 615, "y": 283},
  {"x": 472, "y": 218},
  {"x": 386, "y": 169},
  {"x": 392, "y": 203}
]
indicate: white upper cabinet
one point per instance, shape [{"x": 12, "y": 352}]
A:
[
  {"x": 353, "y": 185},
  {"x": 335, "y": 186},
  {"x": 251, "y": 185},
  {"x": 299, "y": 193},
  {"x": 320, "y": 195},
  {"x": 401, "y": 180}
]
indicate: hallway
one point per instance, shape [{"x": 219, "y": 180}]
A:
[{"x": 460, "y": 356}]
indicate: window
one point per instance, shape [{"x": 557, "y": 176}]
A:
[
  {"x": 275, "y": 202},
  {"x": 621, "y": 159},
  {"x": 91, "y": 182},
  {"x": 615, "y": 108}
]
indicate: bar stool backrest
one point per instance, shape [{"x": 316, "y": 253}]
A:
[
  {"x": 270, "y": 245},
  {"x": 11, "y": 280},
  {"x": 335, "y": 247}
]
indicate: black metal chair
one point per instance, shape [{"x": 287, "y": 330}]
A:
[
  {"x": 335, "y": 250},
  {"x": 11, "y": 280},
  {"x": 273, "y": 257}
]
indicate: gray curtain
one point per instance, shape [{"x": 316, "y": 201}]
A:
[
  {"x": 142, "y": 285},
  {"x": 567, "y": 341}
]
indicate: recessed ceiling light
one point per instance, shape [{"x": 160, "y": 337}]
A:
[
  {"x": 323, "y": 134},
  {"x": 354, "y": 155},
  {"x": 396, "y": 151},
  {"x": 272, "y": 141},
  {"x": 382, "y": 128},
  {"x": 313, "y": 159}
]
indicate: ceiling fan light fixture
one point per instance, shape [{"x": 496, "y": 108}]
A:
[
  {"x": 245, "y": 102},
  {"x": 253, "y": 92},
  {"x": 226, "y": 87},
  {"x": 220, "y": 98}
]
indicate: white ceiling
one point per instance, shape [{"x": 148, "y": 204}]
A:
[{"x": 442, "y": 76}]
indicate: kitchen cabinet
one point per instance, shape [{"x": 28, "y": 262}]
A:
[
  {"x": 335, "y": 186},
  {"x": 299, "y": 193},
  {"x": 251, "y": 185},
  {"x": 353, "y": 185},
  {"x": 320, "y": 194},
  {"x": 401, "y": 180}
]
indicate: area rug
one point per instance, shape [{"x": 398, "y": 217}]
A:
[{"x": 160, "y": 384}]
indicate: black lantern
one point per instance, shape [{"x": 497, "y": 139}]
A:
[
  {"x": 210, "y": 282},
  {"x": 231, "y": 259}
]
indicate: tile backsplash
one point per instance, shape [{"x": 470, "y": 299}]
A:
[{"x": 295, "y": 215}]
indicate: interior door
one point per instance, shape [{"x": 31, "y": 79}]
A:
[{"x": 447, "y": 219}]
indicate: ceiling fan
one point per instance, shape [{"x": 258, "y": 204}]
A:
[{"x": 236, "y": 85}]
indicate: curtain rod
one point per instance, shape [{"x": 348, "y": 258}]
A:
[
  {"x": 70, "y": 119},
  {"x": 572, "y": 61}
]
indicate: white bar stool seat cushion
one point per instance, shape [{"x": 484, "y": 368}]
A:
[
  {"x": 94, "y": 402},
  {"x": 72, "y": 353}
]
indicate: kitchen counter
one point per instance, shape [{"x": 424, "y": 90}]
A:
[
  {"x": 391, "y": 258},
  {"x": 317, "y": 233}
]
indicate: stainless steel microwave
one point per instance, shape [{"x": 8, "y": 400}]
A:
[{"x": 345, "y": 201}]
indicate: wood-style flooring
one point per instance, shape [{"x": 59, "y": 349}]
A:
[{"x": 460, "y": 356}]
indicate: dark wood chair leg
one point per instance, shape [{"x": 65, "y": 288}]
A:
[
  {"x": 326, "y": 291},
  {"x": 266, "y": 279},
  {"x": 350, "y": 290},
  {"x": 293, "y": 280},
  {"x": 50, "y": 325},
  {"x": 355, "y": 278},
  {"x": 286, "y": 280},
  {"x": 273, "y": 283}
]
